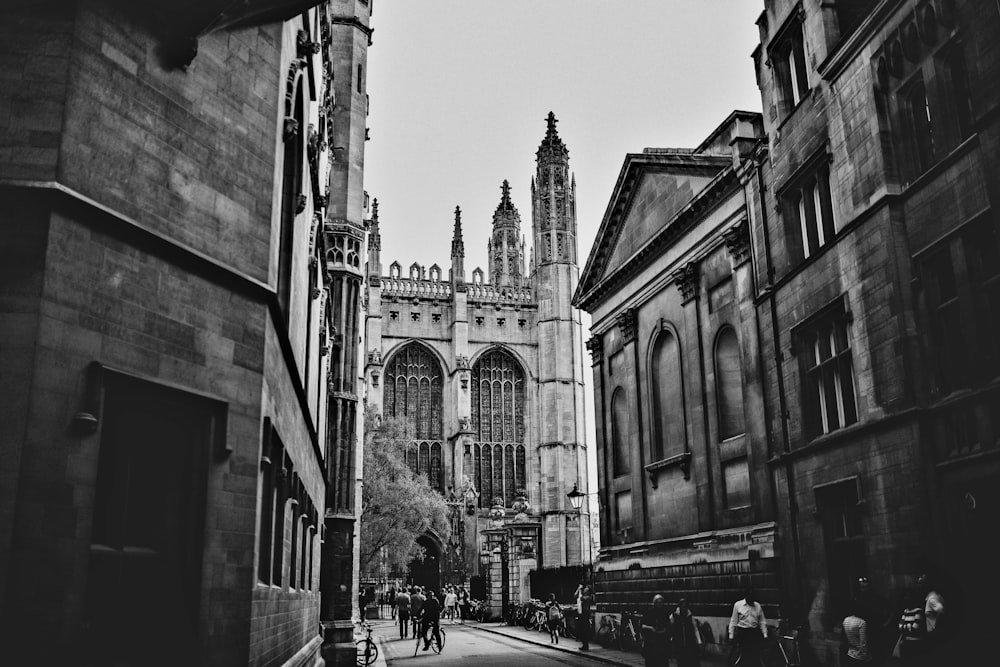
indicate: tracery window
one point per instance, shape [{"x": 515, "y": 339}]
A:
[
  {"x": 498, "y": 421},
  {"x": 413, "y": 393}
]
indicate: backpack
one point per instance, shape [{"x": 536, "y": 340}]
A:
[{"x": 555, "y": 613}]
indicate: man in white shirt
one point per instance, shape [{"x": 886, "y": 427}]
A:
[{"x": 748, "y": 628}]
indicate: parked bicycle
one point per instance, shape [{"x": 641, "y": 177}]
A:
[
  {"x": 631, "y": 631},
  {"x": 608, "y": 632},
  {"x": 366, "y": 649}
]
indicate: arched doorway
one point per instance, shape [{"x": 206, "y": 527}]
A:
[{"x": 426, "y": 572}]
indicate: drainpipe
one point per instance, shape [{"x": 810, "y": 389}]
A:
[{"x": 782, "y": 399}]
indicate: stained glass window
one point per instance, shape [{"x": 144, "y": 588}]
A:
[
  {"x": 498, "y": 387},
  {"x": 413, "y": 393}
]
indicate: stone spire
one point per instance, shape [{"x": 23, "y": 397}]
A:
[
  {"x": 506, "y": 256},
  {"x": 374, "y": 243},
  {"x": 553, "y": 200},
  {"x": 552, "y": 146},
  {"x": 457, "y": 251}
]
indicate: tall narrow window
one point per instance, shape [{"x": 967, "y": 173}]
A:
[
  {"x": 621, "y": 452},
  {"x": 498, "y": 403},
  {"x": 950, "y": 361},
  {"x": 791, "y": 77},
  {"x": 809, "y": 201},
  {"x": 668, "y": 396},
  {"x": 291, "y": 189},
  {"x": 828, "y": 373},
  {"x": 729, "y": 384},
  {"x": 413, "y": 393},
  {"x": 959, "y": 79},
  {"x": 265, "y": 518},
  {"x": 918, "y": 111},
  {"x": 838, "y": 508}
]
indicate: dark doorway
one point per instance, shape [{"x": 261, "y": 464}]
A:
[
  {"x": 427, "y": 572},
  {"x": 144, "y": 578}
]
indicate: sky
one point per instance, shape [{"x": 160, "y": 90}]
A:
[{"x": 459, "y": 91}]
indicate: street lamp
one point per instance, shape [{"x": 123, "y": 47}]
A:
[
  {"x": 576, "y": 497},
  {"x": 576, "y": 500}
]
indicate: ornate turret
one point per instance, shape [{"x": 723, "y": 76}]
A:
[
  {"x": 457, "y": 251},
  {"x": 553, "y": 197},
  {"x": 506, "y": 253},
  {"x": 374, "y": 243}
]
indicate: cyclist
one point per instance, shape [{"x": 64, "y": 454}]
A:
[
  {"x": 748, "y": 628},
  {"x": 416, "y": 606},
  {"x": 402, "y": 607},
  {"x": 431, "y": 620}
]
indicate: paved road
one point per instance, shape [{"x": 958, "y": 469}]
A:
[{"x": 467, "y": 647}]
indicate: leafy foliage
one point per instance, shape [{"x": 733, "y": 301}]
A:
[{"x": 397, "y": 505}]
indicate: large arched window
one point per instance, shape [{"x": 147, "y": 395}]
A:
[
  {"x": 619, "y": 433},
  {"x": 729, "y": 384},
  {"x": 413, "y": 393},
  {"x": 498, "y": 422},
  {"x": 668, "y": 397}
]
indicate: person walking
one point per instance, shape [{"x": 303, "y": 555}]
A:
[
  {"x": 390, "y": 601},
  {"x": 748, "y": 629},
  {"x": 655, "y": 630},
  {"x": 417, "y": 600},
  {"x": 855, "y": 642},
  {"x": 451, "y": 605},
  {"x": 554, "y": 616},
  {"x": 401, "y": 605},
  {"x": 463, "y": 603},
  {"x": 585, "y": 605},
  {"x": 685, "y": 640}
]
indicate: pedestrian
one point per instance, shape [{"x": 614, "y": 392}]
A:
[
  {"x": 923, "y": 625},
  {"x": 554, "y": 617},
  {"x": 685, "y": 639},
  {"x": 855, "y": 639},
  {"x": 417, "y": 600},
  {"x": 463, "y": 602},
  {"x": 879, "y": 619},
  {"x": 655, "y": 634},
  {"x": 451, "y": 604},
  {"x": 585, "y": 604},
  {"x": 391, "y": 602},
  {"x": 402, "y": 607},
  {"x": 748, "y": 629}
]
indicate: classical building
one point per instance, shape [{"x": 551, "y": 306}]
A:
[
  {"x": 488, "y": 375},
  {"x": 863, "y": 307},
  {"x": 176, "y": 182},
  {"x": 876, "y": 254},
  {"x": 687, "y": 507}
]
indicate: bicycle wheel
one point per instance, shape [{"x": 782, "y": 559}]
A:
[
  {"x": 435, "y": 646},
  {"x": 367, "y": 652}
]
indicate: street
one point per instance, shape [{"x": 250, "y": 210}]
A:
[{"x": 466, "y": 645}]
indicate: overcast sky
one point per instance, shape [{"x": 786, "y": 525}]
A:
[{"x": 460, "y": 90}]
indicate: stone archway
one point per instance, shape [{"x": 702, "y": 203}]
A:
[{"x": 426, "y": 572}]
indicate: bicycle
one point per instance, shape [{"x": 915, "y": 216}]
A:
[
  {"x": 607, "y": 633},
  {"x": 782, "y": 650},
  {"x": 366, "y": 649},
  {"x": 436, "y": 646},
  {"x": 631, "y": 634}
]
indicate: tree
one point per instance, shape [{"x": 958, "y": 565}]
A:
[{"x": 397, "y": 504}]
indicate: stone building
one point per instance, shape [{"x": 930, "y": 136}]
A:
[
  {"x": 867, "y": 299},
  {"x": 682, "y": 451},
  {"x": 876, "y": 252},
  {"x": 176, "y": 180},
  {"x": 487, "y": 374}
]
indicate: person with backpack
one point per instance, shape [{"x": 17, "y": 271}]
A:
[{"x": 554, "y": 615}]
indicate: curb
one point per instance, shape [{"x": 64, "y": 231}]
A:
[{"x": 592, "y": 656}]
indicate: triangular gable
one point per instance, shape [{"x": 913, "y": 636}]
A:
[
  {"x": 653, "y": 188},
  {"x": 658, "y": 198}
]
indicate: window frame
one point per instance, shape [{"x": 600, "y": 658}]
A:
[
  {"x": 807, "y": 206},
  {"x": 821, "y": 377},
  {"x": 846, "y": 549},
  {"x": 787, "y": 60}
]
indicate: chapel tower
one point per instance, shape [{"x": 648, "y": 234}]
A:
[
  {"x": 562, "y": 450},
  {"x": 505, "y": 248}
]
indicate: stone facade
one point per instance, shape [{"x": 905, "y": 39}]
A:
[
  {"x": 685, "y": 495},
  {"x": 489, "y": 375},
  {"x": 895, "y": 114},
  {"x": 168, "y": 329},
  {"x": 865, "y": 250}
]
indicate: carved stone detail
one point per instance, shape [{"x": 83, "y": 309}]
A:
[
  {"x": 627, "y": 325},
  {"x": 737, "y": 241},
  {"x": 291, "y": 128},
  {"x": 375, "y": 357},
  {"x": 596, "y": 349},
  {"x": 462, "y": 362},
  {"x": 686, "y": 279}
]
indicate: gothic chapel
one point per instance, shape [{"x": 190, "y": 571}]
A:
[{"x": 487, "y": 370}]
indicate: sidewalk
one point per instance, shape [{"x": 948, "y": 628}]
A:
[{"x": 566, "y": 645}]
